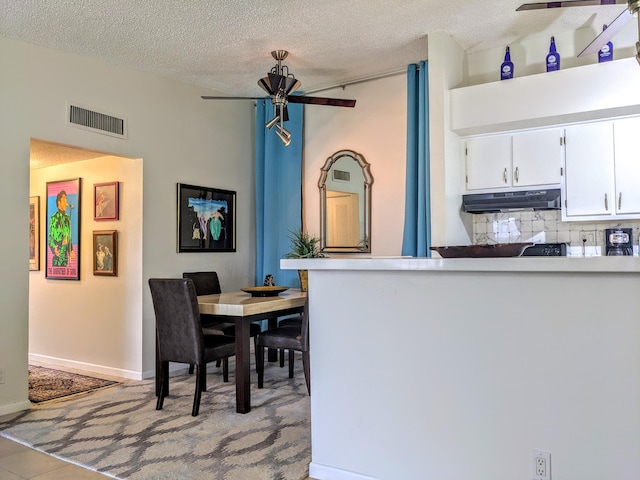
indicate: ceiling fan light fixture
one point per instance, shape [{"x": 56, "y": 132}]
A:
[
  {"x": 284, "y": 136},
  {"x": 284, "y": 131},
  {"x": 270, "y": 124}
]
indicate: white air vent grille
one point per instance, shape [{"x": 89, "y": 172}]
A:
[
  {"x": 341, "y": 175},
  {"x": 95, "y": 121}
]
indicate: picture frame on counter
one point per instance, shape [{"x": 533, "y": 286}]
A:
[{"x": 206, "y": 219}]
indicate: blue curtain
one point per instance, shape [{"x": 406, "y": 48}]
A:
[
  {"x": 278, "y": 192},
  {"x": 416, "y": 238}
]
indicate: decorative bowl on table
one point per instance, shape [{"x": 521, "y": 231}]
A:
[
  {"x": 483, "y": 251},
  {"x": 264, "y": 291}
]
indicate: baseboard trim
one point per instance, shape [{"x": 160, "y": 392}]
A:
[
  {"x": 15, "y": 407},
  {"x": 52, "y": 362},
  {"x": 324, "y": 472}
]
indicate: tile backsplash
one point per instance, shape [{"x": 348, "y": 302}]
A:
[{"x": 546, "y": 226}]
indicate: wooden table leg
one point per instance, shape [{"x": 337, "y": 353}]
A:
[{"x": 243, "y": 366}]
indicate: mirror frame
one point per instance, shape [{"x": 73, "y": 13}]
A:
[{"x": 368, "y": 182}]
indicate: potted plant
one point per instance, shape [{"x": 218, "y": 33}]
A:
[{"x": 304, "y": 245}]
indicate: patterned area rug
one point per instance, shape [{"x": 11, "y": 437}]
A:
[
  {"x": 118, "y": 432},
  {"x": 48, "y": 384}
]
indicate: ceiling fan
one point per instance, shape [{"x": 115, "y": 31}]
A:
[
  {"x": 280, "y": 84},
  {"x": 609, "y": 32}
]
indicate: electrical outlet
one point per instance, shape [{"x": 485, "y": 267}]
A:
[
  {"x": 1, "y": 375},
  {"x": 541, "y": 465}
]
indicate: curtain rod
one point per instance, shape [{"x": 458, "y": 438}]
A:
[{"x": 361, "y": 80}]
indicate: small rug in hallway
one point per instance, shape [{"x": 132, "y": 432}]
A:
[
  {"x": 48, "y": 384},
  {"x": 117, "y": 431}
]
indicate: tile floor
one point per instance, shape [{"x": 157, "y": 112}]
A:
[{"x": 18, "y": 462}]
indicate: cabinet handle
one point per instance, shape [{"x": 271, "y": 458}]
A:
[
  {"x": 517, "y": 175},
  {"x": 606, "y": 203},
  {"x": 504, "y": 175},
  {"x": 620, "y": 201}
]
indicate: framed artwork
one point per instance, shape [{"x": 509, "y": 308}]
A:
[
  {"x": 105, "y": 252},
  {"x": 206, "y": 219},
  {"x": 63, "y": 230},
  {"x": 34, "y": 233},
  {"x": 105, "y": 201}
]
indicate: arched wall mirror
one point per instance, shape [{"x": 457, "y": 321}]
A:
[{"x": 345, "y": 203}]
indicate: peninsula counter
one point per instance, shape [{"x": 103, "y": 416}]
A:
[{"x": 461, "y": 368}]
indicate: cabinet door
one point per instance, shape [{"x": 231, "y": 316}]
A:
[
  {"x": 627, "y": 166},
  {"x": 537, "y": 157},
  {"x": 589, "y": 169},
  {"x": 488, "y": 162}
]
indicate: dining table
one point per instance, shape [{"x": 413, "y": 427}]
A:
[{"x": 242, "y": 308}]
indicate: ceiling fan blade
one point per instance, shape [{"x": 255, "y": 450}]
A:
[
  {"x": 207, "y": 97},
  {"x": 607, "y": 34},
  {"x": 334, "y": 102},
  {"x": 569, "y": 3}
]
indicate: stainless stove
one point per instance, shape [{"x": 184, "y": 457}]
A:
[{"x": 546, "y": 250}]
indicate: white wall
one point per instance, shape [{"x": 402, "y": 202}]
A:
[
  {"x": 180, "y": 138},
  {"x": 96, "y": 322},
  {"x": 375, "y": 128},
  {"x": 487, "y": 367},
  {"x": 446, "y": 62}
]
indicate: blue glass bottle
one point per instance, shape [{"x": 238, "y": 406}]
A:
[
  {"x": 506, "y": 69},
  {"x": 606, "y": 52},
  {"x": 553, "y": 59}
]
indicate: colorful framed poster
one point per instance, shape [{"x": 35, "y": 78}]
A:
[
  {"x": 63, "y": 230},
  {"x": 105, "y": 201},
  {"x": 34, "y": 233},
  {"x": 105, "y": 252},
  {"x": 206, "y": 219}
]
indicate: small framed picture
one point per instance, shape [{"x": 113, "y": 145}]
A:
[
  {"x": 105, "y": 201},
  {"x": 206, "y": 219},
  {"x": 105, "y": 252},
  {"x": 34, "y": 233}
]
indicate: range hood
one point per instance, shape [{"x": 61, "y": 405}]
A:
[{"x": 512, "y": 201}]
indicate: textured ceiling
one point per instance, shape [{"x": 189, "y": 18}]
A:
[
  {"x": 225, "y": 45},
  {"x": 47, "y": 154}
]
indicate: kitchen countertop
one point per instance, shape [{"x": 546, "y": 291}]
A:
[{"x": 626, "y": 264}]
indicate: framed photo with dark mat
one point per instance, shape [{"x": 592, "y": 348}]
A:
[
  {"x": 63, "y": 229},
  {"x": 206, "y": 219},
  {"x": 34, "y": 233},
  {"x": 105, "y": 201},
  {"x": 105, "y": 252}
]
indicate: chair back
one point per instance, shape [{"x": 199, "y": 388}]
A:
[
  {"x": 178, "y": 327},
  {"x": 304, "y": 331},
  {"x": 206, "y": 283}
]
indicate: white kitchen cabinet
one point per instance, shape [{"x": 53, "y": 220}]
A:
[
  {"x": 602, "y": 171},
  {"x": 537, "y": 157},
  {"x": 589, "y": 170},
  {"x": 524, "y": 159},
  {"x": 627, "y": 166},
  {"x": 488, "y": 162}
]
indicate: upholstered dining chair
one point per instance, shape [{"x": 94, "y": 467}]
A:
[
  {"x": 208, "y": 283},
  {"x": 289, "y": 338},
  {"x": 179, "y": 336},
  {"x": 291, "y": 321}
]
